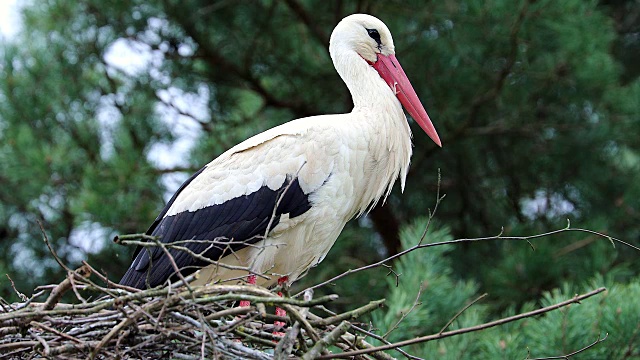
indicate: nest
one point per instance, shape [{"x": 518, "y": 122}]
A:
[{"x": 178, "y": 322}]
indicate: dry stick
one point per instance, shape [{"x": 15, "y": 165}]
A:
[
  {"x": 349, "y": 341},
  {"x": 460, "y": 312},
  {"x": 328, "y": 340},
  {"x": 131, "y": 239},
  {"x": 385, "y": 341},
  {"x": 435, "y": 209},
  {"x": 53, "y": 252},
  {"x": 360, "y": 343},
  {"x": 116, "y": 329},
  {"x": 302, "y": 320},
  {"x": 349, "y": 315},
  {"x": 332, "y": 319},
  {"x": 61, "y": 349},
  {"x": 63, "y": 287},
  {"x": 22, "y": 296},
  {"x": 266, "y": 300},
  {"x": 5, "y": 307},
  {"x": 420, "y": 245},
  {"x": 260, "y": 337},
  {"x": 55, "y": 331},
  {"x": 107, "y": 281},
  {"x": 416, "y": 302},
  {"x": 122, "y": 241},
  {"x": 598, "y": 341},
  {"x": 17, "y": 345},
  {"x": 45, "y": 345},
  {"x": 466, "y": 240},
  {"x": 228, "y": 312},
  {"x": 260, "y": 295},
  {"x": 256, "y": 354},
  {"x": 84, "y": 274},
  {"x": 202, "y": 347},
  {"x": 74, "y": 287},
  {"x": 423, "y": 339},
  {"x": 285, "y": 346},
  {"x": 176, "y": 269},
  {"x": 277, "y": 204}
]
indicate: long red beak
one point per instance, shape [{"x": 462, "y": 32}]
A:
[{"x": 390, "y": 70}]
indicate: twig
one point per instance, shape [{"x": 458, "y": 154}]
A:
[
  {"x": 405, "y": 314},
  {"x": 148, "y": 244},
  {"x": 460, "y": 312},
  {"x": 611, "y": 239},
  {"x": 391, "y": 271},
  {"x": 45, "y": 238},
  {"x": 302, "y": 320},
  {"x": 427, "y": 338},
  {"x": 385, "y": 341},
  {"x": 432, "y": 214},
  {"x": 285, "y": 346},
  {"x": 43, "y": 342},
  {"x": 365, "y": 332},
  {"x": 55, "y": 331},
  {"x": 326, "y": 341},
  {"x": 360, "y": 343},
  {"x": 22, "y": 296},
  {"x": 349, "y": 315},
  {"x": 63, "y": 287},
  {"x": 567, "y": 356},
  {"x": 116, "y": 329}
]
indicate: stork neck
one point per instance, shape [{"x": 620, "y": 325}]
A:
[{"x": 368, "y": 89}]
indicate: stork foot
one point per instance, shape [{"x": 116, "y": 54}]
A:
[
  {"x": 282, "y": 282},
  {"x": 279, "y": 325},
  {"x": 251, "y": 279}
]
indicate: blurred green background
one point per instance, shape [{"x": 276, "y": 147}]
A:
[{"x": 105, "y": 107}]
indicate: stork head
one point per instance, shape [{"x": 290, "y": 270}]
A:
[{"x": 371, "y": 40}]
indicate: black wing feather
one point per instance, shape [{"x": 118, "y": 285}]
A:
[{"x": 234, "y": 224}]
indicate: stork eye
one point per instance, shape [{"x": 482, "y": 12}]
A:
[{"x": 375, "y": 35}]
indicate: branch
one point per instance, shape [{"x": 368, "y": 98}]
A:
[
  {"x": 349, "y": 315},
  {"x": 566, "y": 357},
  {"x": 63, "y": 287},
  {"x": 404, "y": 315},
  {"x": 328, "y": 340},
  {"x": 527, "y": 238},
  {"x": 285, "y": 346},
  {"x": 461, "y": 311},
  {"x": 502, "y": 321}
]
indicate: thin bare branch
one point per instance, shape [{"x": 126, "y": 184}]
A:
[
  {"x": 525, "y": 238},
  {"x": 487, "y": 325},
  {"x": 568, "y": 356},
  {"x": 404, "y": 315},
  {"x": 460, "y": 312}
]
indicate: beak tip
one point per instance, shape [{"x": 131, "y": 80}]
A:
[{"x": 434, "y": 137}]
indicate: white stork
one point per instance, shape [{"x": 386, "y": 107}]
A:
[{"x": 299, "y": 182}]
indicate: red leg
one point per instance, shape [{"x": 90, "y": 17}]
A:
[
  {"x": 279, "y": 310},
  {"x": 251, "y": 279}
]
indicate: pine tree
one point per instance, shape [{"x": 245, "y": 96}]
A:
[{"x": 537, "y": 112}]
